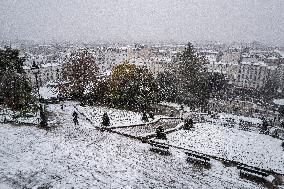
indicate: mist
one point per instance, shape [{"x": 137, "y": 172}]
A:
[{"x": 148, "y": 20}]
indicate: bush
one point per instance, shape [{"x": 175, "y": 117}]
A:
[
  {"x": 264, "y": 125},
  {"x": 144, "y": 117},
  {"x": 160, "y": 134},
  {"x": 188, "y": 124},
  {"x": 151, "y": 115}
]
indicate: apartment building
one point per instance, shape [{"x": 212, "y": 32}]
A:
[
  {"x": 43, "y": 74},
  {"x": 254, "y": 75}
]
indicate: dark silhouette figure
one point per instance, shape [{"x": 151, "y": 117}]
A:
[
  {"x": 62, "y": 106},
  {"x": 106, "y": 121},
  {"x": 75, "y": 118},
  {"x": 264, "y": 125}
]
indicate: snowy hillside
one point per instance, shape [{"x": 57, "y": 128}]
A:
[
  {"x": 248, "y": 147},
  {"x": 83, "y": 157}
]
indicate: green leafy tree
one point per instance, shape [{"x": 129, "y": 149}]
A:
[
  {"x": 15, "y": 90},
  {"x": 217, "y": 84},
  {"x": 270, "y": 87},
  {"x": 10, "y": 60},
  {"x": 132, "y": 87},
  {"x": 167, "y": 85},
  {"x": 99, "y": 94},
  {"x": 192, "y": 78}
]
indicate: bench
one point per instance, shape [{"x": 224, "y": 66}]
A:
[
  {"x": 159, "y": 148},
  {"x": 158, "y": 145},
  {"x": 198, "y": 158},
  {"x": 252, "y": 172}
]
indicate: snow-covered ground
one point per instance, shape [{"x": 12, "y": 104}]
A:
[
  {"x": 176, "y": 106},
  {"x": 279, "y": 102},
  {"x": 236, "y": 118},
  {"x": 247, "y": 147},
  {"x": 117, "y": 117},
  {"x": 48, "y": 92},
  {"x": 71, "y": 156},
  {"x": 82, "y": 157},
  {"x": 150, "y": 129},
  {"x": 9, "y": 115}
]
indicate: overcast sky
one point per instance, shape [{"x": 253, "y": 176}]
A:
[{"x": 143, "y": 20}]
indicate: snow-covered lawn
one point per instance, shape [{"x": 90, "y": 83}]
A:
[
  {"x": 247, "y": 147},
  {"x": 176, "y": 106},
  {"x": 279, "y": 102},
  {"x": 48, "y": 92},
  {"x": 83, "y": 157},
  {"x": 150, "y": 129},
  {"x": 236, "y": 118},
  {"x": 86, "y": 158},
  {"x": 9, "y": 115},
  {"x": 117, "y": 117}
]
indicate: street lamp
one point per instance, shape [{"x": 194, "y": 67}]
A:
[
  {"x": 43, "y": 117},
  {"x": 36, "y": 72}
]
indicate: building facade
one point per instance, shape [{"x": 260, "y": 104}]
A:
[{"x": 44, "y": 74}]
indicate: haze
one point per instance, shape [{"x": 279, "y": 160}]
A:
[{"x": 147, "y": 20}]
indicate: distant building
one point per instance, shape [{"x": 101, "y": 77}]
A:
[
  {"x": 272, "y": 60},
  {"x": 41, "y": 75},
  {"x": 113, "y": 56},
  {"x": 249, "y": 70},
  {"x": 230, "y": 70},
  {"x": 231, "y": 57},
  {"x": 253, "y": 75},
  {"x": 153, "y": 64}
]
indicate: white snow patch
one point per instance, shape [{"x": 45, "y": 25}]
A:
[
  {"x": 48, "y": 92},
  {"x": 238, "y": 118},
  {"x": 279, "y": 102},
  {"x": 248, "y": 147}
]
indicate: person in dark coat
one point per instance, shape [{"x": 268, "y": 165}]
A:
[{"x": 75, "y": 118}]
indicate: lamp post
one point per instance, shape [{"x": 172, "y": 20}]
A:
[
  {"x": 43, "y": 117},
  {"x": 36, "y": 72},
  {"x": 37, "y": 85}
]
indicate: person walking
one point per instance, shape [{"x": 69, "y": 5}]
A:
[
  {"x": 75, "y": 118},
  {"x": 62, "y": 105}
]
